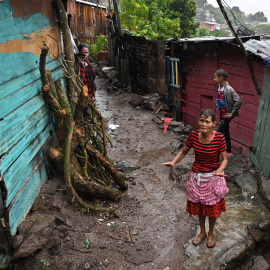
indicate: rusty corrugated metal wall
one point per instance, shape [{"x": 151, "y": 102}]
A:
[{"x": 85, "y": 25}]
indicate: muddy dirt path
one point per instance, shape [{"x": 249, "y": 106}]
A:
[
  {"x": 160, "y": 221},
  {"x": 153, "y": 224}
]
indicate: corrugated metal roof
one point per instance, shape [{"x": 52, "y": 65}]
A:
[
  {"x": 89, "y": 3},
  {"x": 202, "y": 39},
  {"x": 258, "y": 47}
]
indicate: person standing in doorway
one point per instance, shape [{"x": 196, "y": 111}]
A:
[{"x": 228, "y": 103}]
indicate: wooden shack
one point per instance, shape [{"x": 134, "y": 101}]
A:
[
  {"x": 199, "y": 59},
  {"x": 87, "y": 20},
  {"x": 25, "y": 123}
]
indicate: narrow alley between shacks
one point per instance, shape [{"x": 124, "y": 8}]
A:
[{"x": 153, "y": 230}]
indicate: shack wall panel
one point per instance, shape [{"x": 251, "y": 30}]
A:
[
  {"x": 21, "y": 128},
  {"x": 12, "y": 176},
  {"x": 24, "y": 142},
  {"x": 26, "y": 197},
  {"x": 23, "y": 94},
  {"x": 25, "y": 123}
]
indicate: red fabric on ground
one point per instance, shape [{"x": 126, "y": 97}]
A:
[
  {"x": 206, "y": 210},
  {"x": 166, "y": 123}
]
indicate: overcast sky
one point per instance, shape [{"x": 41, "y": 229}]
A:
[{"x": 248, "y": 6}]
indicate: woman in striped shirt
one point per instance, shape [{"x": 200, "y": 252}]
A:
[{"x": 206, "y": 186}]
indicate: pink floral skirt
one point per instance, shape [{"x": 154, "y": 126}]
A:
[
  {"x": 206, "y": 188},
  {"x": 205, "y": 194}
]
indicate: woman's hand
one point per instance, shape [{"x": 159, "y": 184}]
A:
[
  {"x": 168, "y": 164},
  {"x": 218, "y": 173}
]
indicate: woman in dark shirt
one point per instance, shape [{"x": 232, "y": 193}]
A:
[
  {"x": 87, "y": 72},
  {"x": 206, "y": 186}
]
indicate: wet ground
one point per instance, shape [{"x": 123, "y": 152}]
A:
[{"x": 153, "y": 231}]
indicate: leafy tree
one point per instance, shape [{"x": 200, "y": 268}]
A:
[
  {"x": 237, "y": 15},
  {"x": 201, "y": 3},
  {"x": 202, "y": 32},
  {"x": 220, "y": 19},
  {"x": 257, "y": 17},
  {"x": 263, "y": 29},
  {"x": 160, "y": 19},
  {"x": 219, "y": 33}
]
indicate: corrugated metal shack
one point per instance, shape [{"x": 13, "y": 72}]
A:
[
  {"x": 87, "y": 20},
  {"x": 260, "y": 152},
  {"x": 25, "y": 123},
  {"x": 199, "y": 59}
]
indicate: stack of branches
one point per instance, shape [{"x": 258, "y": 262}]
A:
[{"x": 82, "y": 157}]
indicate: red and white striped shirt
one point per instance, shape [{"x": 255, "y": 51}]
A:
[{"x": 206, "y": 155}]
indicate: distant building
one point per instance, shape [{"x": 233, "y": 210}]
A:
[
  {"x": 259, "y": 23},
  {"x": 210, "y": 25}
]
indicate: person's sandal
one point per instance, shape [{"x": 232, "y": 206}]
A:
[
  {"x": 211, "y": 245},
  {"x": 200, "y": 240}
]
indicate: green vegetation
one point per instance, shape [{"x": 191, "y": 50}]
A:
[
  {"x": 45, "y": 263},
  {"x": 100, "y": 45},
  {"x": 262, "y": 29},
  {"x": 160, "y": 19}
]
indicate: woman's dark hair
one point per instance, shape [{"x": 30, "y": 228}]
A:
[
  {"x": 206, "y": 113},
  {"x": 222, "y": 73},
  {"x": 82, "y": 46}
]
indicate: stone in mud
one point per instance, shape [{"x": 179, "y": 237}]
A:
[
  {"x": 266, "y": 186},
  {"x": 157, "y": 120},
  {"x": 175, "y": 124},
  {"x": 260, "y": 264},
  {"x": 178, "y": 130},
  {"x": 136, "y": 101},
  {"x": 187, "y": 129},
  {"x": 249, "y": 185},
  {"x": 256, "y": 233},
  {"x": 37, "y": 238},
  {"x": 135, "y": 256},
  {"x": 126, "y": 167}
]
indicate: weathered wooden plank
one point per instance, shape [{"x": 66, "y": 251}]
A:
[
  {"x": 18, "y": 182},
  {"x": 11, "y": 86},
  {"x": 23, "y": 143},
  {"x": 26, "y": 197},
  {"x": 255, "y": 100},
  {"x": 18, "y": 116},
  {"x": 21, "y": 96},
  {"x": 25, "y": 158},
  {"x": 18, "y": 132},
  {"x": 241, "y": 136},
  {"x": 196, "y": 86},
  {"x": 249, "y": 107},
  {"x": 243, "y": 72}
]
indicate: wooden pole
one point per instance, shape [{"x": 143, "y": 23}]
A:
[
  {"x": 239, "y": 41},
  {"x": 69, "y": 53},
  {"x": 97, "y": 26}
]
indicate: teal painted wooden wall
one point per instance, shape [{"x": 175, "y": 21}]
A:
[
  {"x": 25, "y": 123},
  {"x": 261, "y": 144}
]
